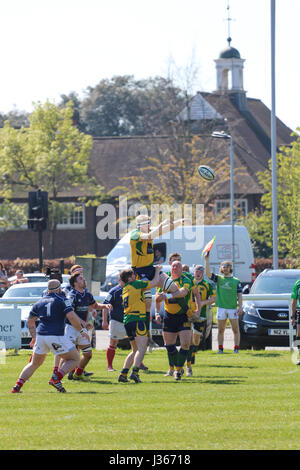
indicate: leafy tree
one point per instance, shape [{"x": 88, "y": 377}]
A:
[
  {"x": 125, "y": 106},
  {"x": 51, "y": 155},
  {"x": 171, "y": 178},
  {"x": 288, "y": 205}
]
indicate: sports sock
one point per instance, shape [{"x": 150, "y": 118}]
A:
[
  {"x": 236, "y": 347},
  {"x": 110, "y": 354},
  {"x": 59, "y": 374},
  {"x": 124, "y": 372},
  {"x": 55, "y": 369},
  {"x": 79, "y": 371},
  {"x": 181, "y": 357},
  {"x": 135, "y": 370},
  {"x": 19, "y": 383}
]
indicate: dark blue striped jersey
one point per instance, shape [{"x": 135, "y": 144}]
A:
[
  {"x": 51, "y": 311},
  {"x": 80, "y": 302},
  {"x": 114, "y": 297}
]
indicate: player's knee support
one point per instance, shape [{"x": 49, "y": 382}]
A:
[
  {"x": 87, "y": 350},
  {"x": 147, "y": 295},
  {"x": 171, "y": 348}
]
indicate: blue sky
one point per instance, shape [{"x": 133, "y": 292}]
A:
[{"x": 58, "y": 46}]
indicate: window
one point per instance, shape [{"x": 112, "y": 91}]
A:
[
  {"x": 240, "y": 210},
  {"x": 73, "y": 218}
]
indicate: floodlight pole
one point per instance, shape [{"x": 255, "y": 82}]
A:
[
  {"x": 223, "y": 135},
  {"x": 273, "y": 141}
]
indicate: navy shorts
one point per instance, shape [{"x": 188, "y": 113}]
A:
[
  {"x": 176, "y": 323},
  {"x": 136, "y": 328},
  {"x": 145, "y": 274}
]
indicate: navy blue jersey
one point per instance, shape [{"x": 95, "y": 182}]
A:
[
  {"x": 114, "y": 297},
  {"x": 80, "y": 302},
  {"x": 51, "y": 311}
]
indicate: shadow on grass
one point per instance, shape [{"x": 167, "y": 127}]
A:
[
  {"x": 204, "y": 380},
  {"x": 264, "y": 354},
  {"x": 221, "y": 366}
]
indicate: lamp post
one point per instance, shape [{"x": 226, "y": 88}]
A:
[{"x": 223, "y": 135}]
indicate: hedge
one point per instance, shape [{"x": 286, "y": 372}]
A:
[{"x": 33, "y": 265}]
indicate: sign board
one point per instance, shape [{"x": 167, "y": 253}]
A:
[
  {"x": 10, "y": 327},
  {"x": 94, "y": 269}
]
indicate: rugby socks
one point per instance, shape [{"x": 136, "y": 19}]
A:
[
  {"x": 110, "y": 354},
  {"x": 181, "y": 358},
  {"x": 189, "y": 357},
  {"x": 19, "y": 384},
  {"x": 58, "y": 375},
  {"x": 79, "y": 371},
  {"x": 172, "y": 354},
  {"x": 124, "y": 372},
  {"x": 194, "y": 349}
]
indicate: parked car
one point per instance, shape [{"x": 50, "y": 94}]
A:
[
  {"x": 266, "y": 322},
  {"x": 37, "y": 277}
]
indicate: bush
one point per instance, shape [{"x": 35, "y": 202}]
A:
[
  {"x": 33, "y": 265},
  {"x": 267, "y": 263}
]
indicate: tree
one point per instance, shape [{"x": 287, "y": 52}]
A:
[
  {"x": 51, "y": 155},
  {"x": 125, "y": 106},
  {"x": 288, "y": 205},
  {"x": 171, "y": 177}
]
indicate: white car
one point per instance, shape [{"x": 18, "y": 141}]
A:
[
  {"x": 23, "y": 296},
  {"x": 38, "y": 277}
]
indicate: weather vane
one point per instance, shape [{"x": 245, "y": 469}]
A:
[{"x": 228, "y": 21}]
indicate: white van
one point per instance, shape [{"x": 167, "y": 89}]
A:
[{"x": 189, "y": 241}]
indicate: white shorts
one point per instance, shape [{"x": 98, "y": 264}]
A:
[
  {"x": 224, "y": 313},
  {"x": 117, "y": 330},
  {"x": 55, "y": 344},
  {"x": 75, "y": 336}
]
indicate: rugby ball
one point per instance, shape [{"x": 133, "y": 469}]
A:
[{"x": 206, "y": 172}]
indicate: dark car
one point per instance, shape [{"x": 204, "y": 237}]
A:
[{"x": 266, "y": 322}]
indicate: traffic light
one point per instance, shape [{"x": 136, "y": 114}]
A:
[{"x": 37, "y": 210}]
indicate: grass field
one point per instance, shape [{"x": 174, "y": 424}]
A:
[{"x": 245, "y": 401}]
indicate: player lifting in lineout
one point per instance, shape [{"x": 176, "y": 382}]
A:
[{"x": 142, "y": 255}]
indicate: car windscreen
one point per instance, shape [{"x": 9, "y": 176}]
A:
[
  {"x": 120, "y": 254},
  {"x": 33, "y": 291},
  {"x": 273, "y": 285}
]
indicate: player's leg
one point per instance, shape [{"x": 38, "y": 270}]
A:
[
  {"x": 236, "y": 333},
  {"x": 221, "y": 322},
  {"x": 170, "y": 345},
  {"x": 87, "y": 353},
  {"x": 185, "y": 341},
  {"x": 110, "y": 353},
  {"x": 30, "y": 368},
  {"x": 142, "y": 344}
]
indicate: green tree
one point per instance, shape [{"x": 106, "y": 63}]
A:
[
  {"x": 125, "y": 106},
  {"x": 288, "y": 205},
  {"x": 171, "y": 177},
  {"x": 51, "y": 155}
]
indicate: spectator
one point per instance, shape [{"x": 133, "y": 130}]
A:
[
  {"x": 228, "y": 291},
  {"x": 4, "y": 282},
  {"x": 20, "y": 279}
]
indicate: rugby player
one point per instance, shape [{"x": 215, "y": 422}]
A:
[
  {"x": 295, "y": 314},
  {"x": 176, "y": 321},
  {"x": 193, "y": 311},
  {"x": 51, "y": 311},
  {"x": 82, "y": 301},
  {"x": 135, "y": 319},
  {"x": 116, "y": 326},
  {"x": 228, "y": 293},
  {"x": 208, "y": 297}
]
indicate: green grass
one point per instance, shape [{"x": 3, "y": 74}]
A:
[{"x": 245, "y": 401}]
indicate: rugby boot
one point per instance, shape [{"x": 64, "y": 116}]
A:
[{"x": 57, "y": 384}]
